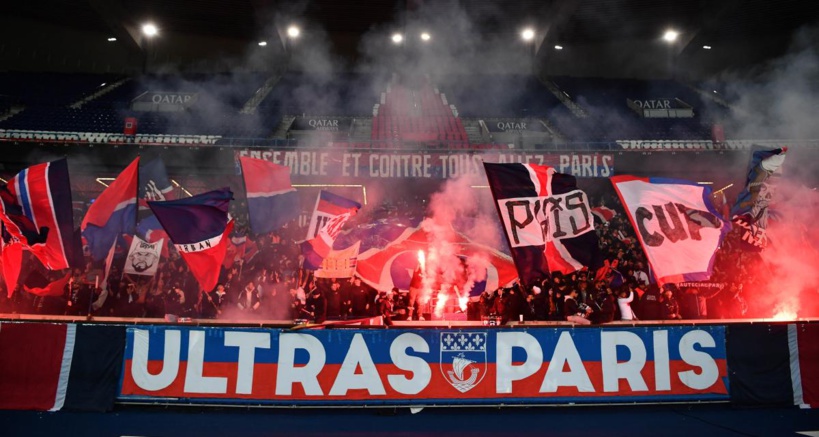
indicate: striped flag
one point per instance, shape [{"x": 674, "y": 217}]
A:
[
  {"x": 328, "y": 205},
  {"x": 43, "y": 194},
  {"x": 271, "y": 199},
  {"x": 547, "y": 219},
  {"x": 113, "y": 213}
]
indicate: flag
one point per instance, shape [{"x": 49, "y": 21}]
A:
[
  {"x": 750, "y": 212},
  {"x": 339, "y": 263},
  {"x": 11, "y": 254},
  {"x": 109, "y": 260},
  {"x": 113, "y": 213},
  {"x": 51, "y": 366},
  {"x": 199, "y": 227},
  {"x": 328, "y": 205},
  {"x": 547, "y": 219},
  {"x": 240, "y": 248},
  {"x": 43, "y": 193},
  {"x": 154, "y": 184},
  {"x": 143, "y": 257},
  {"x": 56, "y": 288},
  {"x": 271, "y": 199},
  {"x": 318, "y": 248},
  {"x": 604, "y": 214},
  {"x": 393, "y": 264},
  {"x": 675, "y": 223},
  {"x": 16, "y": 221}
]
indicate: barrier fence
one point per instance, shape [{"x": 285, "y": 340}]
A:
[{"x": 77, "y": 366}]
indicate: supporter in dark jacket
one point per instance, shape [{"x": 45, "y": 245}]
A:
[
  {"x": 671, "y": 309},
  {"x": 316, "y": 305},
  {"x": 650, "y": 306}
]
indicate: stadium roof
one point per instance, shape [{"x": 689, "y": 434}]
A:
[{"x": 564, "y": 22}]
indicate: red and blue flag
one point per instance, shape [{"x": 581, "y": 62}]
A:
[
  {"x": 113, "y": 213},
  {"x": 272, "y": 201},
  {"x": 43, "y": 194},
  {"x": 199, "y": 227},
  {"x": 547, "y": 219}
]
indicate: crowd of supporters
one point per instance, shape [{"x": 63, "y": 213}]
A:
[{"x": 273, "y": 286}]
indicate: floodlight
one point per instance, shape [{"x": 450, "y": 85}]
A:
[
  {"x": 149, "y": 29},
  {"x": 262, "y": 43},
  {"x": 293, "y": 32},
  {"x": 425, "y": 36},
  {"x": 397, "y": 38},
  {"x": 558, "y": 47},
  {"x": 111, "y": 39},
  {"x": 670, "y": 35},
  {"x": 527, "y": 34},
  {"x": 707, "y": 47}
]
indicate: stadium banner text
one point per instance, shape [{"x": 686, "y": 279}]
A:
[
  {"x": 442, "y": 366},
  {"x": 425, "y": 165}
]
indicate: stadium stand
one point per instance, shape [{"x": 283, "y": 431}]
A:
[
  {"x": 394, "y": 111},
  {"x": 610, "y": 117}
]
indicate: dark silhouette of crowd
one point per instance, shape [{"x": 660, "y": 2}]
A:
[{"x": 272, "y": 285}]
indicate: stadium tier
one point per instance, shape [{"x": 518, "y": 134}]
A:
[{"x": 450, "y": 112}]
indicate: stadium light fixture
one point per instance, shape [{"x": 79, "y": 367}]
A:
[
  {"x": 262, "y": 43},
  {"x": 707, "y": 47},
  {"x": 397, "y": 38},
  {"x": 111, "y": 39},
  {"x": 670, "y": 35},
  {"x": 425, "y": 36},
  {"x": 149, "y": 30},
  {"x": 558, "y": 47},
  {"x": 293, "y": 32},
  {"x": 528, "y": 34}
]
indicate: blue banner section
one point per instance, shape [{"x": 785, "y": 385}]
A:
[{"x": 441, "y": 366}]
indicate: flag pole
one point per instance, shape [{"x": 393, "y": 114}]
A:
[{"x": 723, "y": 189}]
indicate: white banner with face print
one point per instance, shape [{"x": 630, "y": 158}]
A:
[{"x": 143, "y": 257}]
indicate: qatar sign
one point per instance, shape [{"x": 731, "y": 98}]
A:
[{"x": 416, "y": 367}]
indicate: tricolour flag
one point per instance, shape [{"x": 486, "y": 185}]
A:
[
  {"x": 199, "y": 227},
  {"x": 328, "y": 205},
  {"x": 316, "y": 249},
  {"x": 750, "y": 213},
  {"x": 394, "y": 264},
  {"x": 11, "y": 255},
  {"x": 113, "y": 213},
  {"x": 676, "y": 224},
  {"x": 43, "y": 193},
  {"x": 603, "y": 213},
  {"x": 271, "y": 199},
  {"x": 547, "y": 219},
  {"x": 55, "y": 288}
]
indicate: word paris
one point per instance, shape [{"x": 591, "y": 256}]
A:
[
  {"x": 412, "y": 365},
  {"x": 533, "y": 221},
  {"x": 426, "y": 165}
]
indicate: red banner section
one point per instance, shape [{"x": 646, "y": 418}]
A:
[
  {"x": 456, "y": 367},
  {"x": 425, "y": 165}
]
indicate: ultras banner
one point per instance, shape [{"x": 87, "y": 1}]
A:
[
  {"x": 447, "y": 366},
  {"x": 397, "y": 164}
]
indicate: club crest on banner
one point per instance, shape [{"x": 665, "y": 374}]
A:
[{"x": 463, "y": 359}]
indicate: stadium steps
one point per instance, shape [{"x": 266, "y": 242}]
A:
[
  {"x": 14, "y": 110},
  {"x": 100, "y": 92},
  {"x": 564, "y": 98},
  {"x": 474, "y": 132},
  {"x": 283, "y": 127},
  {"x": 708, "y": 95},
  {"x": 258, "y": 97},
  {"x": 362, "y": 129},
  {"x": 557, "y": 136}
]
